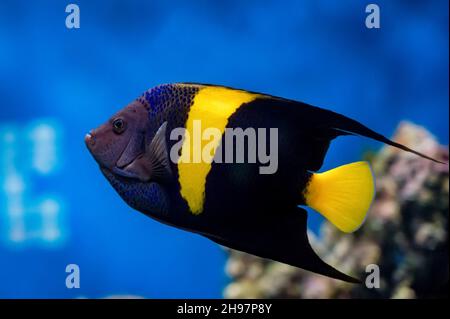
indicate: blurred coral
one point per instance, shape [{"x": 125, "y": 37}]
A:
[{"x": 405, "y": 234}]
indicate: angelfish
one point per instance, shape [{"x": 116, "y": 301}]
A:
[{"x": 233, "y": 204}]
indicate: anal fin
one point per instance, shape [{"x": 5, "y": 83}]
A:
[{"x": 281, "y": 237}]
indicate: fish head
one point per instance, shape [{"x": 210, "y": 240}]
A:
[
  {"x": 121, "y": 139},
  {"x": 116, "y": 146}
]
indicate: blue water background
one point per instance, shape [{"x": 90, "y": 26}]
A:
[{"x": 66, "y": 82}]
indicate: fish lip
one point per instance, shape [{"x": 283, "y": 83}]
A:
[{"x": 89, "y": 139}]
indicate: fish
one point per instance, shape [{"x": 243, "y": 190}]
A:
[{"x": 147, "y": 153}]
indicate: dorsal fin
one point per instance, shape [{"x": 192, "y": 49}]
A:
[
  {"x": 332, "y": 121},
  {"x": 342, "y": 125}
]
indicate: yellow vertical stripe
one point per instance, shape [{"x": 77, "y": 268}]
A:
[{"x": 211, "y": 108}]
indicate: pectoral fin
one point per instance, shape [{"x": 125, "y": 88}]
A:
[{"x": 154, "y": 164}]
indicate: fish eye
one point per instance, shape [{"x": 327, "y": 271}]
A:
[{"x": 118, "y": 126}]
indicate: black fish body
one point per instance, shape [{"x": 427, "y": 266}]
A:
[
  {"x": 234, "y": 204},
  {"x": 230, "y": 188}
]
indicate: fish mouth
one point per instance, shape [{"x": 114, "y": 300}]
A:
[{"x": 89, "y": 139}]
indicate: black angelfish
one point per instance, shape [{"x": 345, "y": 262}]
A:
[{"x": 152, "y": 155}]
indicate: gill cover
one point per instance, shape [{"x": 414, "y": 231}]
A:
[{"x": 154, "y": 163}]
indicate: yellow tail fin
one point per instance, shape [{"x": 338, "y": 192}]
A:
[{"x": 342, "y": 195}]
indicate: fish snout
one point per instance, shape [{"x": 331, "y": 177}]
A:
[{"x": 89, "y": 139}]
